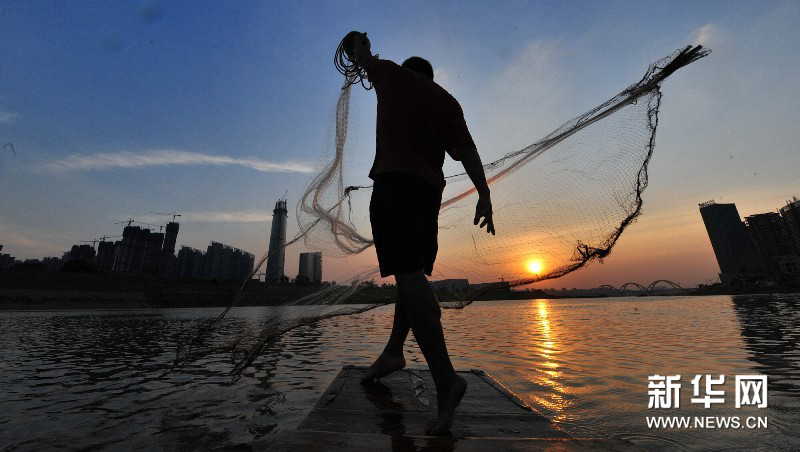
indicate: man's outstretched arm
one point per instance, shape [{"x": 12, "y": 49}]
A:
[{"x": 474, "y": 168}]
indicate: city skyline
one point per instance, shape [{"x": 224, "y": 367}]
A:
[
  {"x": 757, "y": 249},
  {"x": 239, "y": 122},
  {"x": 738, "y": 243}
]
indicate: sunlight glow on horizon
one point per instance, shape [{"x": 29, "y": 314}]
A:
[{"x": 534, "y": 266}]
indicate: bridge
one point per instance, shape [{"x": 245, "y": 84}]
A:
[{"x": 634, "y": 288}]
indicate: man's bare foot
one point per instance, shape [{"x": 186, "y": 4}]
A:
[
  {"x": 384, "y": 365},
  {"x": 448, "y": 401}
]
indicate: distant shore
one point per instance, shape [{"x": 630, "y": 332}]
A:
[
  {"x": 20, "y": 291},
  {"x": 61, "y": 290}
]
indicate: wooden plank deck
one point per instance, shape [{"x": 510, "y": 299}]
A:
[{"x": 392, "y": 416}]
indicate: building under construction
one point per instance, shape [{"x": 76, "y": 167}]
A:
[
  {"x": 220, "y": 262},
  {"x": 735, "y": 252},
  {"x": 761, "y": 249},
  {"x": 140, "y": 251},
  {"x": 791, "y": 219}
]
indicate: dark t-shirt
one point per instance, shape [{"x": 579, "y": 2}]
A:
[{"x": 417, "y": 122}]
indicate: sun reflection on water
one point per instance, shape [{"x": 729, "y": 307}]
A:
[{"x": 549, "y": 375}]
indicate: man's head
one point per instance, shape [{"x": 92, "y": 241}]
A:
[
  {"x": 419, "y": 65},
  {"x": 356, "y": 45}
]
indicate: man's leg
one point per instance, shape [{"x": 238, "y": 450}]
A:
[
  {"x": 383, "y": 210},
  {"x": 400, "y": 329},
  {"x": 392, "y": 358},
  {"x": 423, "y": 315}
]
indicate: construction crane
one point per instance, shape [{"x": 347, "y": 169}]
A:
[
  {"x": 93, "y": 242},
  {"x": 100, "y": 239},
  {"x": 159, "y": 226},
  {"x": 174, "y": 214},
  {"x": 129, "y": 221}
]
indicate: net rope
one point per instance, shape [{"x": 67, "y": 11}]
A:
[{"x": 564, "y": 212}]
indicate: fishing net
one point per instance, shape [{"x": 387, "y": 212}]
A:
[{"x": 559, "y": 204}]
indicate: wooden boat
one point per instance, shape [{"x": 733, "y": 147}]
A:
[{"x": 392, "y": 416}]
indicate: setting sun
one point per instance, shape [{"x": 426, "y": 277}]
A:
[{"x": 534, "y": 266}]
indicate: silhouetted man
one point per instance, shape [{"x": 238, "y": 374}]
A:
[{"x": 417, "y": 122}]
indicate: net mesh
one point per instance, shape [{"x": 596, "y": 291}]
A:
[{"x": 559, "y": 204}]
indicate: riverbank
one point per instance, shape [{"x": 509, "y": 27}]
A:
[
  {"x": 62, "y": 290},
  {"x": 110, "y": 290}
]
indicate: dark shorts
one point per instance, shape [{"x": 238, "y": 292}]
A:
[{"x": 404, "y": 212}]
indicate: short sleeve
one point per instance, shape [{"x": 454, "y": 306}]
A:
[
  {"x": 379, "y": 70},
  {"x": 454, "y": 133}
]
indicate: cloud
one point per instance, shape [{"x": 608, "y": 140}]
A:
[
  {"x": 8, "y": 117},
  {"x": 236, "y": 216},
  {"x": 442, "y": 77},
  {"x": 524, "y": 100},
  {"x": 705, "y": 35},
  {"x": 125, "y": 159}
]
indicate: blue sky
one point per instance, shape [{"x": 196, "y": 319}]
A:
[{"x": 215, "y": 109}]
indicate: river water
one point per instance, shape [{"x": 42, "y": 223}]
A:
[{"x": 97, "y": 380}]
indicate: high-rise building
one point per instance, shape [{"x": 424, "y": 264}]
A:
[
  {"x": 80, "y": 253},
  {"x": 190, "y": 263},
  {"x": 171, "y": 237},
  {"x": 220, "y": 262},
  {"x": 791, "y": 219},
  {"x": 277, "y": 241},
  {"x": 310, "y": 268},
  {"x": 153, "y": 243},
  {"x": 105, "y": 255},
  {"x": 773, "y": 243},
  {"x": 214, "y": 260},
  {"x": 246, "y": 264},
  {"x": 128, "y": 250},
  {"x": 138, "y": 251},
  {"x": 770, "y": 234},
  {"x": 736, "y": 255},
  {"x": 167, "y": 262}
]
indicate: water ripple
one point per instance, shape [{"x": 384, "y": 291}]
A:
[{"x": 82, "y": 380}]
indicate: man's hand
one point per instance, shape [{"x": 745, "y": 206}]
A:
[
  {"x": 474, "y": 168},
  {"x": 484, "y": 210}
]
